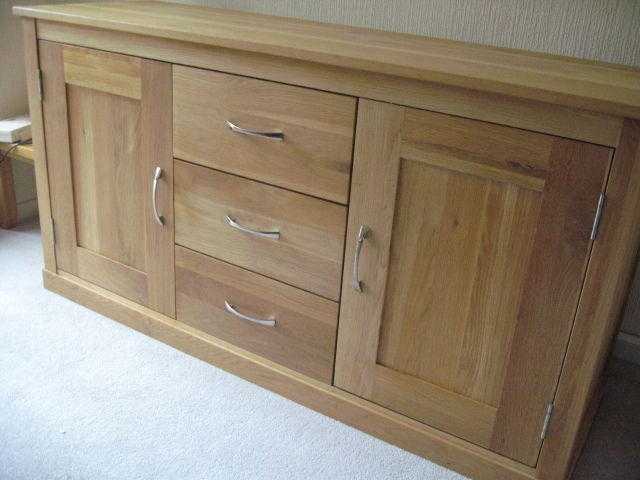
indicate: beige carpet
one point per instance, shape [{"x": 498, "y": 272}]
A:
[{"x": 84, "y": 397}]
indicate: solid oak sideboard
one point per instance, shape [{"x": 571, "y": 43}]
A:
[{"x": 428, "y": 240}]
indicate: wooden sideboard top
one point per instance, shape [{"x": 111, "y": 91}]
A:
[{"x": 584, "y": 84}]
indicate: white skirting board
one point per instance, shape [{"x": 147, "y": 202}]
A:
[{"x": 627, "y": 347}]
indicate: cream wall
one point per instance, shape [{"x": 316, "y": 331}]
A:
[{"x": 606, "y": 30}]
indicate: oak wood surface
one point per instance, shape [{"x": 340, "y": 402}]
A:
[
  {"x": 56, "y": 144},
  {"x": 113, "y": 275},
  {"x": 25, "y": 152},
  {"x": 100, "y": 71},
  {"x": 552, "y": 118},
  {"x": 553, "y": 284},
  {"x": 103, "y": 140},
  {"x": 308, "y": 253},
  {"x": 447, "y": 450},
  {"x": 304, "y": 336},
  {"x": 313, "y": 158},
  {"x": 457, "y": 248},
  {"x": 355, "y": 358},
  {"x": 8, "y": 206},
  {"x": 460, "y": 246},
  {"x": 631, "y": 316},
  {"x": 31, "y": 56},
  {"x": 156, "y": 148},
  {"x": 103, "y": 148},
  {"x": 555, "y": 79},
  {"x": 606, "y": 286}
]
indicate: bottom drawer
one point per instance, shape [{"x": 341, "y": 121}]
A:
[{"x": 228, "y": 302}]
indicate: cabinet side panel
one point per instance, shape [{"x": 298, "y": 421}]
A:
[
  {"x": 30, "y": 45},
  {"x": 54, "y": 108},
  {"x": 551, "y": 293},
  {"x": 607, "y": 281}
]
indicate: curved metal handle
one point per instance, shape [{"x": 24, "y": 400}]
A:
[
  {"x": 278, "y": 136},
  {"x": 355, "y": 281},
  {"x": 274, "y": 234},
  {"x": 157, "y": 175},
  {"x": 231, "y": 309}
]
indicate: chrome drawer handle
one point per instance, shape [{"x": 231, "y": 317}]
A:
[
  {"x": 274, "y": 234},
  {"x": 231, "y": 309},
  {"x": 278, "y": 136},
  {"x": 362, "y": 234},
  {"x": 157, "y": 175}
]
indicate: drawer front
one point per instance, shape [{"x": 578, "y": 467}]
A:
[
  {"x": 308, "y": 251},
  {"x": 314, "y": 156},
  {"x": 223, "y": 300}
]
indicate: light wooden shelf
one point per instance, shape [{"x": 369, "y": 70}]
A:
[{"x": 21, "y": 152}]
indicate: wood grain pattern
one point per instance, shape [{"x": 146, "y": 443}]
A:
[
  {"x": 8, "y": 207},
  {"x": 472, "y": 275},
  {"x": 556, "y": 272},
  {"x": 631, "y": 316},
  {"x": 156, "y": 116},
  {"x": 104, "y": 72},
  {"x": 315, "y": 156},
  {"x": 438, "y": 407},
  {"x": 466, "y": 458},
  {"x": 308, "y": 253},
  {"x": 552, "y": 118},
  {"x": 103, "y": 149},
  {"x": 373, "y": 189},
  {"x": 56, "y": 126},
  {"x": 479, "y": 148},
  {"x": 608, "y": 277},
  {"x": 112, "y": 275},
  {"x": 439, "y": 157},
  {"x": 460, "y": 247},
  {"x": 104, "y": 142},
  {"x": 25, "y": 153},
  {"x": 305, "y": 333},
  {"x": 553, "y": 79},
  {"x": 30, "y": 45}
]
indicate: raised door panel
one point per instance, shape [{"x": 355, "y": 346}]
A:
[
  {"x": 471, "y": 271},
  {"x": 107, "y": 121}
]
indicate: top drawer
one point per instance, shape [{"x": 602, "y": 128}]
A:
[{"x": 314, "y": 157}]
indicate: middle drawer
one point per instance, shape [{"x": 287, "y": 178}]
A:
[{"x": 281, "y": 234}]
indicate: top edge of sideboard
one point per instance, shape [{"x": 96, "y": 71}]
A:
[{"x": 596, "y": 86}]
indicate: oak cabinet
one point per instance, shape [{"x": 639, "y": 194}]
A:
[
  {"x": 470, "y": 243},
  {"x": 107, "y": 119},
  {"x": 426, "y": 240}
]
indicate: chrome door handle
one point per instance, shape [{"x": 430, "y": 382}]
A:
[
  {"x": 278, "y": 136},
  {"x": 265, "y": 322},
  {"x": 274, "y": 234},
  {"x": 362, "y": 234},
  {"x": 157, "y": 175}
]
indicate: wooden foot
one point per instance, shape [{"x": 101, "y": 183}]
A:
[{"x": 8, "y": 207}]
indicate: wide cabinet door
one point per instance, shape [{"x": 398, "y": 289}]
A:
[
  {"x": 107, "y": 121},
  {"x": 467, "y": 247}
]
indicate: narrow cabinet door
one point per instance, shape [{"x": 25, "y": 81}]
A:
[
  {"x": 107, "y": 122},
  {"x": 467, "y": 246}
]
